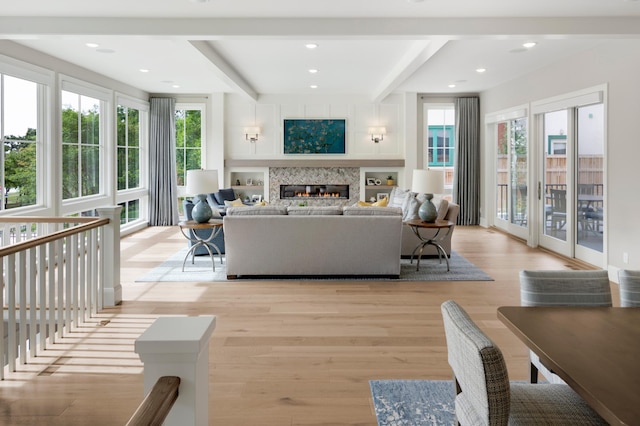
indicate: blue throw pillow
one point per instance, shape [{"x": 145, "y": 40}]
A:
[{"x": 223, "y": 195}]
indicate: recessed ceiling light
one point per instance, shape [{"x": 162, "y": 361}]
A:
[
  {"x": 311, "y": 45},
  {"x": 314, "y": 86},
  {"x": 451, "y": 86},
  {"x": 144, "y": 70},
  {"x": 313, "y": 70},
  {"x": 529, "y": 45},
  {"x": 481, "y": 70},
  {"x": 199, "y": 1},
  {"x": 92, "y": 45},
  {"x": 176, "y": 86},
  {"x": 415, "y": 1}
]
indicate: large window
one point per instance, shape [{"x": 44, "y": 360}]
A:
[
  {"x": 21, "y": 139},
  {"x": 440, "y": 140},
  {"x": 128, "y": 148},
  {"x": 189, "y": 130},
  {"x": 81, "y": 145}
]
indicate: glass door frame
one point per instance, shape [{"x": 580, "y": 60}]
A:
[{"x": 570, "y": 102}]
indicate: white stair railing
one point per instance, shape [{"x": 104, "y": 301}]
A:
[{"x": 53, "y": 279}]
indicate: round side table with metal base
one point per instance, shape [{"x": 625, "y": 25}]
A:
[
  {"x": 439, "y": 226},
  {"x": 214, "y": 225}
]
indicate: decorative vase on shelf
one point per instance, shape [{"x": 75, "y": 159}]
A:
[{"x": 390, "y": 182}]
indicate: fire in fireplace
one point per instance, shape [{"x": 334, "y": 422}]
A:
[{"x": 314, "y": 191}]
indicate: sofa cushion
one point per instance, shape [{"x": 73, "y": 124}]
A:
[
  {"x": 371, "y": 211},
  {"x": 443, "y": 209},
  {"x": 383, "y": 202},
  {"x": 314, "y": 211},
  {"x": 257, "y": 211},
  {"x": 398, "y": 197},
  {"x": 225, "y": 194},
  {"x": 234, "y": 203},
  {"x": 410, "y": 212}
]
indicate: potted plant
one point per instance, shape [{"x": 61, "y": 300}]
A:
[{"x": 390, "y": 180}]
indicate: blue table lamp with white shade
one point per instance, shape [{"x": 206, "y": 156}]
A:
[
  {"x": 200, "y": 183},
  {"x": 429, "y": 182}
]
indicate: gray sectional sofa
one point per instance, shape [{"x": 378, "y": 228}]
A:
[{"x": 304, "y": 241}]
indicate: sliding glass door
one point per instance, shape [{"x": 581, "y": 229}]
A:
[
  {"x": 512, "y": 209},
  {"x": 572, "y": 190}
]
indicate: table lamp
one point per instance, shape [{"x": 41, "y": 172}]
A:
[
  {"x": 429, "y": 182},
  {"x": 200, "y": 183}
]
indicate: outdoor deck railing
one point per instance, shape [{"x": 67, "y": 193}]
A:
[{"x": 56, "y": 274}]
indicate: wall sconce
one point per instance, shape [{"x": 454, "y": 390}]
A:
[
  {"x": 251, "y": 133},
  {"x": 377, "y": 133}
]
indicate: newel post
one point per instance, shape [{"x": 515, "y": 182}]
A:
[
  {"x": 179, "y": 346},
  {"x": 110, "y": 246}
]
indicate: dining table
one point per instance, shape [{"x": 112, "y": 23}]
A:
[{"x": 595, "y": 350}]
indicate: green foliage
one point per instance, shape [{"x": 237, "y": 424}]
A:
[
  {"x": 188, "y": 142},
  {"x": 20, "y": 169}
]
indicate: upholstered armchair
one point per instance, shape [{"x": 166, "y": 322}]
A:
[
  {"x": 484, "y": 395},
  {"x": 629, "y": 288},
  {"x": 562, "y": 288}
]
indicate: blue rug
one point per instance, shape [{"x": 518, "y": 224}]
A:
[
  {"x": 413, "y": 402},
  {"x": 202, "y": 271}
]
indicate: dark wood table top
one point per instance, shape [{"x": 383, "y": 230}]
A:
[
  {"x": 595, "y": 350},
  {"x": 437, "y": 224}
]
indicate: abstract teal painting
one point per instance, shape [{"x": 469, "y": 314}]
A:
[{"x": 314, "y": 136}]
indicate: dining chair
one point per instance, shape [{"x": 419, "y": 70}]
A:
[
  {"x": 562, "y": 288},
  {"x": 558, "y": 209},
  {"x": 484, "y": 395},
  {"x": 629, "y": 288}
]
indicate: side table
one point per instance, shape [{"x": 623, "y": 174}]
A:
[
  {"x": 439, "y": 225},
  {"x": 214, "y": 225}
]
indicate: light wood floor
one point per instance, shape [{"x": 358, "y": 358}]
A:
[{"x": 284, "y": 352}]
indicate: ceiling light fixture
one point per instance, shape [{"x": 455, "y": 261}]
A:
[
  {"x": 92, "y": 45},
  {"x": 311, "y": 45},
  {"x": 314, "y": 86},
  {"x": 176, "y": 86},
  {"x": 144, "y": 70},
  {"x": 529, "y": 45},
  {"x": 451, "y": 86},
  {"x": 480, "y": 70},
  {"x": 313, "y": 70}
]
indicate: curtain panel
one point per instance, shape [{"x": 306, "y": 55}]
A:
[
  {"x": 163, "y": 184},
  {"x": 466, "y": 186}
]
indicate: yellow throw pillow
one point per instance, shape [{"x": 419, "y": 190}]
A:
[
  {"x": 382, "y": 202},
  {"x": 261, "y": 203},
  {"x": 363, "y": 204},
  {"x": 235, "y": 203}
]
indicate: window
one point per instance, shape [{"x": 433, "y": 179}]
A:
[
  {"x": 439, "y": 142},
  {"x": 128, "y": 148},
  {"x": 441, "y": 145},
  {"x": 189, "y": 131},
  {"x": 130, "y": 211},
  {"x": 81, "y": 145},
  {"x": 21, "y": 139}
]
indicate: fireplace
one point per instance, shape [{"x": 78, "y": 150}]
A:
[{"x": 314, "y": 191}]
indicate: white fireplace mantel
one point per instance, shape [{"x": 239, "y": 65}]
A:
[{"x": 330, "y": 162}]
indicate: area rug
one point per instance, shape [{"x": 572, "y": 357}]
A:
[
  {"x": 413, "y": 402},
  {"x": 430, "y": 270}
]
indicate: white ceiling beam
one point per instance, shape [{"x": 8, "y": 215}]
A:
[
  {"x": 224, "y": 71},
  {"x": 415, "y": 58},
  {"x": 17, "y": 27}
]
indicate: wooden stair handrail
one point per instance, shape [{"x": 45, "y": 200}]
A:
[{"x": 156, "y": 405}]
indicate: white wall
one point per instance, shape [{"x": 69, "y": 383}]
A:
[
  {"x": 268, "y": 114},
  {"x": 616, "y": 63}
]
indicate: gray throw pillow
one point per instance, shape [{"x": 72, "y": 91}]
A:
[{"x": 225, "y": 194}]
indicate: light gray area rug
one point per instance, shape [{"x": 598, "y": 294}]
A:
[
  {"x": 413, "y": 402},
  {"x": 430, "y": 270}
]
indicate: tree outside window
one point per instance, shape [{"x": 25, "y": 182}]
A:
[
  {"x": 81, "y": 145},
  {"x": 19, "y": 133},
  {"x": 128, "y": 156}
]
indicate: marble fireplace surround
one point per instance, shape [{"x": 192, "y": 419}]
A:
[{"x": 315, "y": 172}]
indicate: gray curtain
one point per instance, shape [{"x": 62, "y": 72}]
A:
[
  {"x": 466, "y": 185},
  {"x": 163, "y": 186}
]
